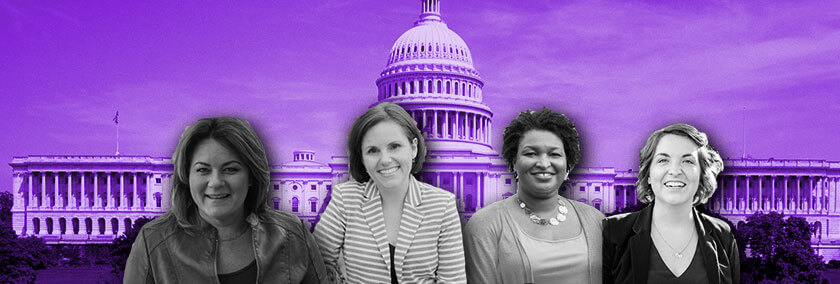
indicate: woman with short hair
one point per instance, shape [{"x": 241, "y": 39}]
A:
[
  {"x": 670, "y": 241},
  {"x": 219, "y": 228},
  {"x": 390, "y": 227},
  {"x": 536, "y": 235}
]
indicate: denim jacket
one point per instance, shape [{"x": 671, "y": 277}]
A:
[{"x": 284, "y": 250}]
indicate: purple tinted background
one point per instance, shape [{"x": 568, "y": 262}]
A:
[{"x": 300, "y": 71}]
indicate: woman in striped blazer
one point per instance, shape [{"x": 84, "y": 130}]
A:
[{"x": 389, "y": 227}]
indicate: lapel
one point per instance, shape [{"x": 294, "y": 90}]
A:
[
  {"x": 640, "y": 244},
  {"x": 410, "y": 221},
  {"x": 707, "y": 249},
  {"x": 371, "y": 208}
]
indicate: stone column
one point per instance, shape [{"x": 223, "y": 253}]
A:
[
  {"x": 748, "y": 201},
  {"x": 760, "y": 193},
  {"x": 43, "y": 190},
  {"x": 108, "y": 197},
  {"x": 734, "y": 194},
  {"x": 149, "y": 201},
  {"x": 456, "y": 134},
  {"x": 122, "y": 198},
  {"x": 97, "y": 201},
  {"x": 798, "y": 193},
  {"x": 446, "y": 124},
  {"x": 786, "y": 188},
  {"x": 83, "y": 195},
  {"x": 434, "y": 124},
  {"x": 773, "y": 205},
  {"x": 135, "y": 199},
  {"x": 18, "y": 196},
  {"x": 31, "y": 190},
  {"x": 71, "y": 201},
  {"x": 56, "y": 197}
]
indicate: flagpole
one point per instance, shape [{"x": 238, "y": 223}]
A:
[{"x": 117, "y": 122}]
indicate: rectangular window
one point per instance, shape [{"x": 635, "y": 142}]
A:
[
  {"x": 314, "y": 187},
  {"x": 276, "y": 205},
  {"x": 507, "y": 181},
  {"x": 157, "y": 180},
  {"x": 313, "y": 206},
  {"x": 582, "y": 188},
  {"x": 329, "y": 187},
  {"x": 597, "y": 189},
  {"x": 276, "y": 187},
  {"x": 598, "y": 206}
]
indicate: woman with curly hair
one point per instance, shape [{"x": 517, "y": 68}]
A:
[{"x": 536, "y": 235}]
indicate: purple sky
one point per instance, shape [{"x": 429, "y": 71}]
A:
[{"x": 300, "y": 71}]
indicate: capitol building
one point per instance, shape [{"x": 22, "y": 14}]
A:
[{"x": 430, "y": 73}]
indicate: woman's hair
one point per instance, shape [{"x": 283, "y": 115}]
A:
[
  {"x": 547, "y": 120},
  {"x": 709, "y": 159},
  {"x": 234, "y": 134},
  {"x": 379, "y": 113}
]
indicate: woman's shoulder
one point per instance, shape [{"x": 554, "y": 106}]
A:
[
  {"x": 623, "y": 220},
  {"x": 431, "y": 191},
  {"x": 350, "y": 188},
  {"x": 715, "y": 225},
  {"x": 159, "y": 230}
]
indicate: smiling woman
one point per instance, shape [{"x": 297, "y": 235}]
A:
[
  {"x": 669, "y": 241},
  {"x": 220, "y": 228},
  {"x": 389, "y": 227},
  {"x": 536, "y": 235}
]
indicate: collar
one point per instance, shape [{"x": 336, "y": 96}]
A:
[{"x": 413, "y": 197}]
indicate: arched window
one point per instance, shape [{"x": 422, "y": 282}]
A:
[
  {"x": 157, "y": 199},
  {"x": 75, "y": 226},
  {"x": 313, "y": 204},
  {"x": 49, "y": 226},
  {"x": 101, "y": 226},
  {"x": 127, "y": 223},
  {"x": 115, "y": 225},
  {"x": 448, "y": 90},
  {"x": 456, "y": 87},
  {"x": 88, "y": 225},
  {"x": 402, "y": 90},
  {"x": 420, "y": 84},
  {"x": 429, "y": 88},
  {"x": 295, "y": 204},
  {"x": 36, "y": 226},
  {"x": 62, "y": 226},
  {"x": 411, "y": 87},
  {"x": 438, "y": 87}
]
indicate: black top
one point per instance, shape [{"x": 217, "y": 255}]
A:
[
  {"x": 627, "y": 248},
  {"x": 393, "y": 269},
  {"x": 659, "y": 272},
  {"x": 247, "y": 274}
]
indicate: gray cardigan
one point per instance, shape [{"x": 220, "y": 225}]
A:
[{"x": 495, "y": 254}]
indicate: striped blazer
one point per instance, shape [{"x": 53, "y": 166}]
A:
[{"x": 429, "y": 248}]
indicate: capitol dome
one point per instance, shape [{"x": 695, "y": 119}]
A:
[
  {"x": 430, "y": 40},
  {"x": 430, "y": 74}
]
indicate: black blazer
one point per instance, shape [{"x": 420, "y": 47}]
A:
[{"x": 627, "y": 245}]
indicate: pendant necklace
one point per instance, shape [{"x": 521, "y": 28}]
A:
[
  {"x": 678, "y": 254},
  {"x": 562, "y": 210}
]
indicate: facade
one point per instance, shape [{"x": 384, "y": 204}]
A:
[
  {"x": 430, "y": 73},
  {"x": 86, "y": 199}
]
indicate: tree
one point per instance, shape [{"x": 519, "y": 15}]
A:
[
  {"x": 121, "y": 247},
  {"x": 6, "y": 203},
  {"x": 16, "y": 264},
  {"x": 781, "y": 249}
]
